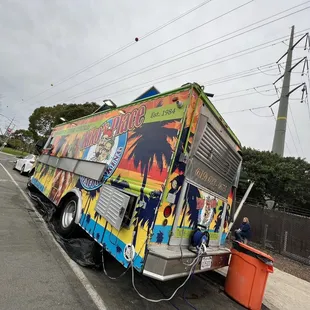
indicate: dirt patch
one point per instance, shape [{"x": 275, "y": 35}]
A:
[{"x": 284, "y": 263}]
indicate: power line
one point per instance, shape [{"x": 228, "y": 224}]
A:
[
  {"x": 242, "y": 74},
  {"x": 151, "y": 49},
  {"x": 178, "y": 56},
  {"x": 180, "y": 73},
  {"x": 243, "y": 95},
  {"x": 253, "y": 93},
  {"x": 121, "y": 49},
  {"x": 195, "y": 68},
  {"x": 290, "y": 131},
  {"x": 139, "y": 39},
  {"x": 261, "y": 115},
  {"x": 297, "y": 134},
  {"x": 201, "y": 66},
  {"x": 265, "y": 116},
  {"x": 242, "y": 90},
  {"x": 267, "y": 73},
  {"x": 246, "y": 110},
  {"x": 207, "y": 83},
  {"x": 234, "y": 76}
]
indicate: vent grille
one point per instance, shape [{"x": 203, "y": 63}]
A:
[
  {"x": 112, "y": 205},
  {"x": 215, "y": 153},
  {"x": 214, "y": 162}
]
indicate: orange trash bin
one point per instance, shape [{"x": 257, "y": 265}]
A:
[{"x": 247, "y": 275}]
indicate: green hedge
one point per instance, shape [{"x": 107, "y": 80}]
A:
[{"x": 11, "y": 151}]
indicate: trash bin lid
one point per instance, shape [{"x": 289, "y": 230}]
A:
[{"x": 244, "y": 248}]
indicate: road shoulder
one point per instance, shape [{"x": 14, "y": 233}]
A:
[{"x": 35, "y": 273}]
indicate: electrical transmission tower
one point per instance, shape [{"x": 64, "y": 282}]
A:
[{"x": 281, "y": 122}]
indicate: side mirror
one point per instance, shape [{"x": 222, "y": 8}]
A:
[{"x": 40, "y": 145}]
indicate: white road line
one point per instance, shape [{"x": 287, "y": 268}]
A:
[{"x": 75, "y": 267}]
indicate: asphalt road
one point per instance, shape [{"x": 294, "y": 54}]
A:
[{"x": 36, "y": 258}]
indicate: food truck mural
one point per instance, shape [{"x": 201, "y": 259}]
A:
[{"x": 140, "y": 147}]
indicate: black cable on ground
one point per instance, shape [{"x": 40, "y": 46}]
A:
[
  {"x": 184, "y": 293},
  {"x": 171, "y": 303}
]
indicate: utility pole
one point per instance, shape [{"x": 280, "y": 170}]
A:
[
  {"x": 280, "y": 131},
  {"x": 8, "y": 133}
]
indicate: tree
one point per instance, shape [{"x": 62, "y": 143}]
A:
[
  {"x": 43, "y": 119},
  {"x": 24, "y": 135},
  {"x": 285, "y": 180},
  {"x": 21, "y": 139}
]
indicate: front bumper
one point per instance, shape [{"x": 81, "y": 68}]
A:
[{"x": 28, "y": 167}]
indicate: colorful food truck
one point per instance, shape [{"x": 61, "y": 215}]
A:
[{"x": 145, "y": 180}]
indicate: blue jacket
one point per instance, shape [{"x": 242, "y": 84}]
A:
[{"x": 245, "y": 230}]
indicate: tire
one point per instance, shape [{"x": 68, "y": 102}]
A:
[
  {"x": 22, "y": 170},
  {"x": 31, "y": 173},
  {"x": 29, "y": 185},
  {"x": 67, "y": 217}
]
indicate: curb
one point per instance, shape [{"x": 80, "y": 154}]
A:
[{"x": 7, "y": 154}]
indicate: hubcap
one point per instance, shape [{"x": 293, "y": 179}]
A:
[{"x": 68, "y": 214}]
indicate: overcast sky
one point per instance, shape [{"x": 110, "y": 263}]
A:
[{"x": 43, "y": 42}]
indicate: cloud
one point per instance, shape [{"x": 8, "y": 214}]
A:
[{"x": 43, "y": 42}]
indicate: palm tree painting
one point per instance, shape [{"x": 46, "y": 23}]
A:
[
  {"x": 219, "y": 218},
  {"x": 150, "y": 145},
  {"x": 43, "y": 171},
  {"x": 160, "y": 237},
  {"x": 191, "y": 206},
  {"x": 192, "y": 193},
  {"x": 59, "y": 146},
  {"x": 146, "y": 213},
  {"x": 91, "y": 195},
  {"x": 121, "y": 184}
]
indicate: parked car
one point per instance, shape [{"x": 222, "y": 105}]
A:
[{"x": 26, "y": 164}]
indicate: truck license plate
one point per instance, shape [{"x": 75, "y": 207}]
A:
[{"x": 206, "y": 262}]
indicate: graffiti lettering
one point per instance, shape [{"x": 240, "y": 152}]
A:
[
  {"x": 128, "y": 121},
  {"x": 139, "y": 119},
  {"x": 118, "y": 125},
  {"x": 92, "y": 137},
  {"x": 114, "y": 161},
  {"x": 131, "y": 120},
  {"x": 90, "y": 184},
  {"x": 124, "y": 125},
  {"x": 211, "y": 180}
]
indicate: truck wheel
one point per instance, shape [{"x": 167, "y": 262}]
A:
[
  {"x": 29, "y": 184},
  {"x": 67, "y": 217}
]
